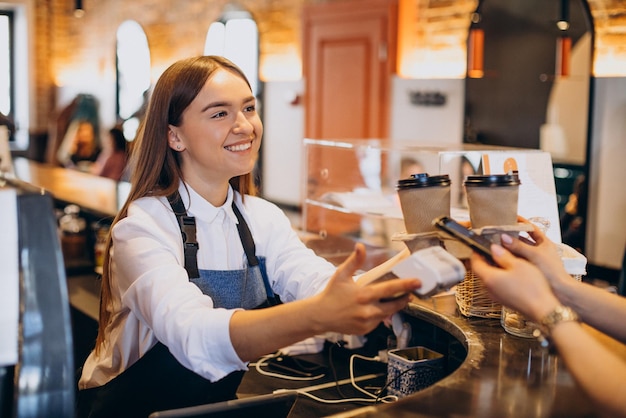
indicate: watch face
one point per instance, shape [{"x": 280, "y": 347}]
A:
[{"x": 559, "y": 314}]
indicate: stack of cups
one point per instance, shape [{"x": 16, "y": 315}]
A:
[
  {"x": 422, "y": 199},
  {"x": 492, "y": 199}
]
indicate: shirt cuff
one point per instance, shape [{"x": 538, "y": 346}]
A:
[{"x": 216, "y": 357}]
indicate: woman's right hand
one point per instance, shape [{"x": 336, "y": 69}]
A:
[
  {"x": 348, "y": 308},
  {"x": 343, "y": 306}
]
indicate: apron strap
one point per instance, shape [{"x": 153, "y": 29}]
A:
[
  {"x": 250, "y": 249},
  {"x": 187, "y": 226}
]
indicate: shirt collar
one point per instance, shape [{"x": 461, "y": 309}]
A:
[{"x": 200, "y": 208}]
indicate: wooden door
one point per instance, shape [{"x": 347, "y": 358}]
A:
[{"x": 349, "y": 56}]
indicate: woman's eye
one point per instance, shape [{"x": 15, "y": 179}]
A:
[
  {"x": 221, "y": 114},
  {"x": 250, "y": 108}
]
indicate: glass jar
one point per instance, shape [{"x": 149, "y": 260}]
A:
[
  {"x": 512, "y": 321},
  {"x": 73, "y": 234},
  {"x": 102, "y": 232},
  {"x": 71, "y": 222},
  {"x": 516, "y": 324}
]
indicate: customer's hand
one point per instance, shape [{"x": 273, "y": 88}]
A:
[
  {"x": 515, "y": 282},
  {"x": 544, "y": 254},
  {"x": 349, "y": 308}
]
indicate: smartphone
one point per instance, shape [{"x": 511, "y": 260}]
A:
[
  {"x": 475, "y": 241},
  {"x": 295, "y": 366}
]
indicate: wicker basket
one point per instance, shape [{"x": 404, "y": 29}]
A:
[
  {"x": 471, "y": 295},
  {"x": 473, "y": 299}
]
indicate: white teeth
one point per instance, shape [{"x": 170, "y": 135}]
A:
[{"x": 240, "y": 147}]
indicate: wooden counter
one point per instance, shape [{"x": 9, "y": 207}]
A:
[
  {"x": 502, "y": 375},
  {"x": 494, "y": 374},
  {"x": 93, "y": 193}
]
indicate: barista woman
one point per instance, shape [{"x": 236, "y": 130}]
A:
[{"x": 170, "y": 336}]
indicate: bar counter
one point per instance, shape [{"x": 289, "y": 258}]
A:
[
  {"x": 94, "y": 193},
  {"x": 502, "y": 375}
]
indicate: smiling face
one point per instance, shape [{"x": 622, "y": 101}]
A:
[{"x": 220, "y": 135}]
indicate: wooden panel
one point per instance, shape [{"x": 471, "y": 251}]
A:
[
  {"x": 340, "y": 109},
  {"x": 348, "y": 59},
  {"x": 349, "y": 53}
]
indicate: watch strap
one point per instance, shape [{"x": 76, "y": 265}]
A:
[{"x": 556, "y": 316}]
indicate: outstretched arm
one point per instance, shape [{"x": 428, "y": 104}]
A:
[
  {"x": 520, "y": 284},
  {"x": 594, "y": 305},
  {"x": 343, "y": 306}
]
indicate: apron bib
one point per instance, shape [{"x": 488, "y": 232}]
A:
[{"x": 232, "y": 289}]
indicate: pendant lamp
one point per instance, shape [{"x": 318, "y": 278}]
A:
[
  {"x": 563, "y": 55},
  {"x": 563, "y": 42},
  {"x": 78, "y": 9},
  {"x": 476, "y": 45}
]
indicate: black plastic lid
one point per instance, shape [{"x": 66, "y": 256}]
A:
[
  {"x": 493, "y": 180},
  {"x": 423, "y": 180}
]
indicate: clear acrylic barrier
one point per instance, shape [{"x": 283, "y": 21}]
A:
[{"x": 350, "y": 186}]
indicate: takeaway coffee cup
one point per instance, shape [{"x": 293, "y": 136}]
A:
[
  {"x": 423, "y": 198},
  {"x": 492, "y": 199}
]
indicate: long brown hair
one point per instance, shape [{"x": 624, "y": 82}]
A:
[{"x": 155, "y": 166}]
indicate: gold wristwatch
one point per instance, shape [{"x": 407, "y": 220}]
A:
[{"x": 559, "y": 314}]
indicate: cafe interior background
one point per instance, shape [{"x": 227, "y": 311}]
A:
[
  {"x": 428, "y": 81},
  {"x": 432, "y": 91}
]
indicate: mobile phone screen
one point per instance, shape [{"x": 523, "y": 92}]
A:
[{"x": 467, "y": 236}]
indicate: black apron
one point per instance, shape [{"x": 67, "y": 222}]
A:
[{"x": 157, "y": 381}]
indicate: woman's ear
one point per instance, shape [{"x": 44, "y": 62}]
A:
[{"x": 173, "y": 140}]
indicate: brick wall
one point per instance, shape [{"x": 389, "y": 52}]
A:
[
  {"x": 609, "y": 19},
  {"x": 42, "y": 71},
  {"x": 68, "y": 48}
]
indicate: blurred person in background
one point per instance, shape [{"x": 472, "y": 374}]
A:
[{"x": 113, "y": 159}]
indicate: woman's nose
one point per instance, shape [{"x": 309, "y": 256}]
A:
[{"x": 242, "y": 125}]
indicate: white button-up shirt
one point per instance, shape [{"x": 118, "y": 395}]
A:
[{"x": 153, "y": 299}]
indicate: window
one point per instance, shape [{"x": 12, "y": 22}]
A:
[
  {"x": 16, "y": 82},
  {"x": 6, "y": 64},
  {"x": 235, "y": 36},
  {"x": 133, "y": 75}
]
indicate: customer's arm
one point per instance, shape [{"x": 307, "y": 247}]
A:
[
  {"x": 595, "y": 306},
  {"x": 600, "y": 373},
  {"x": 521, "y": 285}
]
